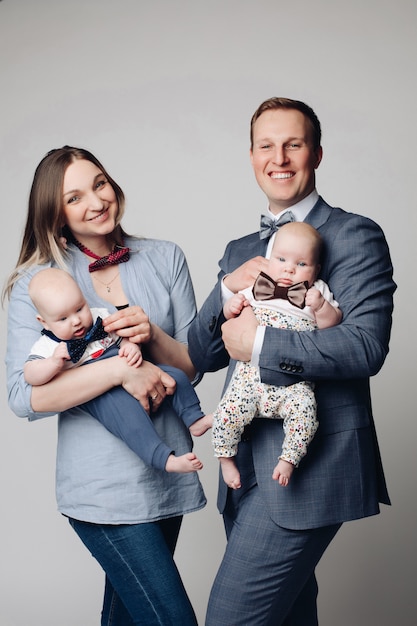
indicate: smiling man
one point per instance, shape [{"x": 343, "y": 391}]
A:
[
  {"x": 277, "y": 536},
  {"x": 285, "y": 152}
]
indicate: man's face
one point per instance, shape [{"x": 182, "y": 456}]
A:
[{"x": 283, "y": 157}]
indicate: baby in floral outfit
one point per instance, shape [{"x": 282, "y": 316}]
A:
[{"x": 294, "y": 299}]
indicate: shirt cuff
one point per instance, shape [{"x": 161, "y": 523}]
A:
[
  {"x": 225, "y": 291},
  {"x": 257, "y": 345}
]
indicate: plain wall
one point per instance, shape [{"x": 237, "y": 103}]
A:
[{"x": 162, "y": 92}]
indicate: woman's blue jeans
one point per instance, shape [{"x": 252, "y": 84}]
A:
[{"x": 143, "y": 586}]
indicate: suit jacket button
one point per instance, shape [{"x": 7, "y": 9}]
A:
[{"x": 212, "y": 324}]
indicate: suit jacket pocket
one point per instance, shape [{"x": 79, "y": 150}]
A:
[{"x": 342, "y": 418}]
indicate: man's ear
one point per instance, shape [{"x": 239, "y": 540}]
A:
[{"x": 319, "y": 156}]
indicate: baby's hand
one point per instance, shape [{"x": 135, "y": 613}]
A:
[
  {"x": 234, "y": 306},
  {"x": 314, "y": 299},
  {"x": 60, "y": 355},
  {"x": 131, "y": 352}
]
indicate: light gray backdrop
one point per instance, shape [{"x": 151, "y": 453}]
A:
[{"x": 162, "y": 92}]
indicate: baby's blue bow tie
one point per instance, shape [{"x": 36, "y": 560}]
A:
[{"x": 77, "y": 347}]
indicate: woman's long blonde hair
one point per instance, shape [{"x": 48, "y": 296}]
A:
[{"x": 43, "y": 235}]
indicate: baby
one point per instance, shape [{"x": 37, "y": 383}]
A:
[
  {"x": 73, "y": 335},
  {"x": 289, "y": 296}
]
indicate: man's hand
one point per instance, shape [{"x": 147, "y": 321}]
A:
[
  {"x": 239, "y": 335},
  {"x": 246, "y": 274}
]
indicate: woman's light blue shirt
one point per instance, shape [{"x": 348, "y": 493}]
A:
[{"x": 98, "y": 478}]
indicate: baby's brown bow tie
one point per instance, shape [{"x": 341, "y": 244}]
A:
[{"x": 265, "y": 288}]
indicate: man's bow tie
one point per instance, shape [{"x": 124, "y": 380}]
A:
[
  {"x": 270, "y": 226},
  {"x": 265, "y": 288},
  {"x": 77, "y": 347}
]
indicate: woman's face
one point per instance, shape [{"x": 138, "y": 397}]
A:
[{"x": 89, "y": 202}]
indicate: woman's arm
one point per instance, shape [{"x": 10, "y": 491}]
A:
[
  {"x": 80, "y": 384},
  {"x": 164, "y": 349},
  {"x": 72, "y": 387},
  {"x": 165, "y": 335},
  {"x": 133, "y": 323}
]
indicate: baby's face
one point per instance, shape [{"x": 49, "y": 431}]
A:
[
  {"x": 68, "y": 316},
  {"x": 293, "y": 260}
]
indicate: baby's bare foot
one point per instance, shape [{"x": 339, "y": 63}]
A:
[
  {"x": 202, "y": 425},
  {"x": 231, "y": 475},
  {"x": 183, "y": 464},
  {"x": 283, "y": 472}
]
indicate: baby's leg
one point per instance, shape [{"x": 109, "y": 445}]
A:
[
  {"x": 183, "y": 464},
  {"x": 235, "y": 410},
  {"x": 231, "y": 475},
  {"x": 202, "y": 425},
  {"x": 186, "y": 403},
  {"x": 283, "y": 472},
  {"x": 126, "y": 418},
  {"x": 300, "y": 422}
]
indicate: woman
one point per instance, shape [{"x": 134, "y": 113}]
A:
[{"x": 127, "y": 514}]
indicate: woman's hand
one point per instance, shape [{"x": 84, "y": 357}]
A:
[
  {"x": 246, "y": 274},
  {"x": 148, "y": 384},
  {"x": 132, "y": 323}
]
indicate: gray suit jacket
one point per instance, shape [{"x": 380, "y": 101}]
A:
[{"x": 341, "y": 478}]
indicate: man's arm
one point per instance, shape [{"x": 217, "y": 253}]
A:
[
  {"x": 358, "y": 269},
  {"x": 205, "y": 344},
  {"x": 205, "y": 341}
]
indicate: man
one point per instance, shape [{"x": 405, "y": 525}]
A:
[{"x": 276, "y": 536}]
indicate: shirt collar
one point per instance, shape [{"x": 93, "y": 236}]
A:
[{"x": 300, "y": 209}]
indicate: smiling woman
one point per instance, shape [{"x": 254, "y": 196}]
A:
[
  {"x": 111, "y": 496},
  {"x": 90, "y": 209},
  {"x": 91, "y": 213}
]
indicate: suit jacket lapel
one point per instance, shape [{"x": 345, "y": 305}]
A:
[
  {"x": 250, "y": 246},
  {"x": 319, "y": 214},
  {"x": 256, "y": 246}
]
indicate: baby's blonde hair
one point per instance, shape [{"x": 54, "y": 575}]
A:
[
  {"x": 306, "y": 230},
  {"x": 48, "y": 284}
]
